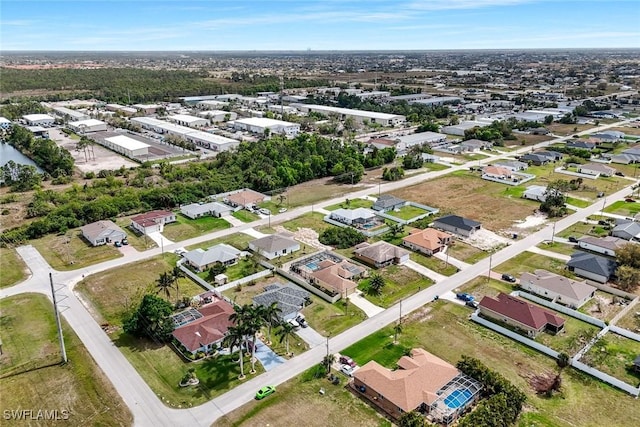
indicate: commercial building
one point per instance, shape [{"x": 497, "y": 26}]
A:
[
  {"x": 69, "y": 114},
  {"x": 459, "y": 129},
  {"x": 260, "y": 124},
  {"x": 189, "y": 121},
  {"x": 198, "y": 137},
  {"x": 126, "y": 146},
  {"x": 89, "y": 125},
  {"x": 217, "y": 116},
  {"x": 359, "y": 116},
  {"x": 39, "y": 119},
  {"x": 127, "y": 111}
]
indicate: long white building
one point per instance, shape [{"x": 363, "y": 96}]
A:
[
  {"x": 89, "y": 125},
  {"x": 70, "y": 114},
  {"x": 260, "y": 124},
  {"x": 125, "y": 145},
  {"x": 217, "y": 116},
  {"x": 198, "y": 137},
  {"x": 190, "y": 121},
  {"x": 39, "y": 119},
  {"x": 359, "y": 116}
]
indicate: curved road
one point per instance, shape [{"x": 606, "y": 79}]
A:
[{"x": 148, "y": 409}]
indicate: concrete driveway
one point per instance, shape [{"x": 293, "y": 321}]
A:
[
  {"x": 311, "y": 336},
  {"x": 370, "y": 309},
  {"x": 436, "y": 277}
]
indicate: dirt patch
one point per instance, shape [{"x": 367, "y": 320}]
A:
[
  {"x": 421, "y": 315},
  {"x": 304, "y": 235},
  {"x": 487, "y": 240},
  {"x": 604, "y": 306}
]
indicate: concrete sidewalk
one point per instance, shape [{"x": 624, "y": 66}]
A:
[
  {"x": 365, "y": 305},
  {"x": 451, "y": 260},
  {"x": 550, "y": 254},
  {"x": 254, "y": 233},
  {"x": 436, "y": 277}
]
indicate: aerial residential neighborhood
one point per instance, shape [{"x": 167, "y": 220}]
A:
[{"x": 336, "y": 213}]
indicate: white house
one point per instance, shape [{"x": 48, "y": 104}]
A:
[
  {"x": 555, "y": 287},
  {"x": 202, "y": 260},
  {"x": 535, "y": 192},
  {"x": 102, "y": 232},
  {"x": 627, "y": 230},
  {"x": 353, "y": 216},
  {"x": 274, "y": 245},
  {"x": 152, "y": 221},
  {"x": 596, "y": 169},
  {"x": 602, "y": 245},
  {"x": 197, "y": 210}
]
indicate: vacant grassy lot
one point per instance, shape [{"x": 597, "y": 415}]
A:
[
  {"x": 245, "y": 216},
  {"x": 525, "y": 140},
  {"x": 528, "y": 261},
  {"x": 433, "y": 263},
  {"x": 561, "y": 248},
  {"x": 567, "y": 129},
  {"x": 465, "y": 252},
  {"x": 71, "y": 251},
  {"x": 32, "y": 378},
  {"x": 317, "y": 190},
  {"x": 13, "y": 270},
  {"x": 400, "y": 282},
  {"x": 298, "y": 402},
  {"x": 614, "y": 355},
  {"x": 590, "y": 187},
  {"x": 577, "y": 202},
  {"x": 185, "y": 228},
  {"x": 238, "y": 240},
  {"x": 628, "y": 130},
  {"x": 114, "y": 292},
  {"x": 443, "y": 329},
  {"x": 580, "y": 229},
  {"x": 472, "y": 197},
  {"x": 351, "y": 204},
  {"x": 624, "y": 208},
  {"x": 312, "y": 220},
  {"x": 482, "y": 286},
  {"x": 408, "y": 212}
]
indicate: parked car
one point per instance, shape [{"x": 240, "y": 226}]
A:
[
  {"x": 302, "y": 322},
  {"x": 619, "y": 173},
  {"x": 346, "y": 360},
  {"x": 472, "y": 304},
  {"x": 264, "y": 211},
  {"x": 465, "y": 297},
  {"x": 282, "y": 210},
  {"x": 347, "y": 370},
  {"x": 509, "y": 278},
  {"x": 265, "y": 391},
  {"x": 293, "y": 323},
  {"x": 602, "y": 222},
  {"x": 573, "y": 239},
  {"x": 629, "y": 200},
  {"x": 117, "y": 244},
  {"x": 124, "y": 242}
]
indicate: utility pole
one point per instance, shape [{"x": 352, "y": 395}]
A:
[
  {"x": 490, "y": 261},
  {"x": 58, "y": 324},
  {"x": 553, "y": 233}
]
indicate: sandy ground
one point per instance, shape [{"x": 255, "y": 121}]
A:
[
  {"x": 304, "y": 235},
  {"x": 487, "y": 240},
  {"x": 532, "y": 221}
]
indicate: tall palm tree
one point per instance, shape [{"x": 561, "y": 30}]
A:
[
  {"x": 164, "y": 283},
  {"x": 248, "y": 318},
  {"x": 285, "y": 332},
  {"x": 271, "y": 316},
  {"x": 176, "y": 274},
  {"x": 235, "y": 338},
  {"x": 327, "y": 361}
]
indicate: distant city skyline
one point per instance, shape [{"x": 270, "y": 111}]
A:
[{"x": 212, "y": 25}]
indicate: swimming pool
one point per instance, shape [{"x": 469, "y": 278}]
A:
[
  {"x": 458, "y": 398},
  {"x": 312, "y": 266}
]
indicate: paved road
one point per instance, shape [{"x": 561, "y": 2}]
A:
[{"x": 148, "y": 410}]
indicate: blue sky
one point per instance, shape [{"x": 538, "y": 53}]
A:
[{"x": 317, "y": 24}]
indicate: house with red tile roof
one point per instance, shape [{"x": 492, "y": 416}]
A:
[
  {"x": 521, "y": 314},
  {"x": 152, "y": 221},
  {"x": 208, "y": 327},
  {"x": 428, "y": 241}
]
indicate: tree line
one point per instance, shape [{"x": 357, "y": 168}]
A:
[{"x": 54, "y": 160}]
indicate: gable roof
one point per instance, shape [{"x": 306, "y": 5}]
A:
[
  {"x": 536, "y": 190},
  {"x": 381, "y": 251},
  {"x": 608, "y": 242},
  {"x": 387, "y": 201},
  {"x": 150, "y": 218},
  {"x": 521, "y": 311},
  {"x": 289, "y": 298},
  {"x": 592, "y": 263},
  {"x": 208, "y": 329},
  {"x": 429, "y": 238},
  {"x": 535, "y": 157},
  {"x": 218, "y": 253},
  {"x": 353, "y": 214},
  {"x": 598, "y": 167},
  {"x": 558, "y": 284},
  {"x": 419, "y": 378},
  {"x": 274, "y": 243},
  {"x": 104, "y": 228},
  {"x": 337, "y": 275},
  {"x": 512, "y": 164},
  {"x": 458, "y": 222},
  {"x": 632, "y": 228}
]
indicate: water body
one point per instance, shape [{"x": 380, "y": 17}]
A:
[{"x": 7, "y": 152}]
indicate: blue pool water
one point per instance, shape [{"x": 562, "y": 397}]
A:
[
  {"x": 312, "y": 266},
  {"x": 458, "y": 398}
]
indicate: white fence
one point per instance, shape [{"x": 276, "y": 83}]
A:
[
  {"x": 624, "y": 332},
  {"x": 429, "y": 211},
  {"x": 606, "y": 378},
  {"x": 561, "y": 309}
]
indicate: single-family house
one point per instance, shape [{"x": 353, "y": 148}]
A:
[
  {"x": 474, "y": 145},
  {"x": 274, "y": 245},
  {"x": 208, "y": 329},
  {"x": 513, "y": 165},
  {"x": 553, "y": 156},
  {"x": 381, "y": 254},
  {"x": 596, "y": 169},
  {"x": 627, "y": 230},
  {"x": 421, "y": 382},
  {"x": 245, "y": 198},
  {"x": 535, "y": 192},
  {"x": 582, "y": 145},
  {"x": 387, "y": 202},
  {"x": 535, "y": 159},
  {"x": 457, "y": 225},
  {"x": 338, "y": 277},
  {"x": 102, "y": 232},
  {"x": 590, "y": 266},
  {"x": 497, "y": 172},
  {"x": 430, "y": 158},
  {"x": 602, "y": 245},
  {"x": 353, "y": 217},
  {"x": 558, "y": 288},
  {"x": 202, "y": 260},
  {"x": 152, "y": 221},
  {"x": 520, "y": 314},
  {"x": 197, "y": 210},
  {"x": 428, "y": 241},
  {"x": 289, "y": 298}
]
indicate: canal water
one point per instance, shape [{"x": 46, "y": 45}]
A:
[{"x": 7, "y": 152}]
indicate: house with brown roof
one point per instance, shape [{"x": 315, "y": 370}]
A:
[
  {"x": 558, "y": 288},
  {"x": 422, "y": 382},
  {"x": 274, "y": 245},
  {"x": 244, "y": 198},
  {"x": 497, "y": 172},
  {"x": 428, "y": 241},
  {"x": 152, "y": 221},
  {"x": 335, "y": 276},
  {"x": 102, "y": 232},
  {"x": 381, "y": 254},
  {"x": 603, "y": 245},
  {"x": 521, "y": 314},
  {"x": 209, "y": 325}
]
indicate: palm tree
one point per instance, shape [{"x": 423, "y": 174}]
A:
[
  {"x": 397, "y": 329},
  {"x": 285, "y": 332},
  {"x": 164, "y": 283},
  {"x": 327, "y": 361},
  {"x": 271, "y": 316},
  {"x": 249, "y": 319},
  {"x": 376, "y": 284},
  {"x": 235, "y": 338},
  {"x": 176, "y": 274}
]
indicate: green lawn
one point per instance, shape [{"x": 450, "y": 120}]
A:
[
  {"x": 312, "y": 220},
  {"x": 408, "y": 212},
  {"x": 577, "y": 230},
  {"x": 561, "y": 248},
  {"x": 465, "y": 252},
  {"x": 443, "y": 329},
  {"x": 578, "y": 202},
  {"x": 245, "y": 216},
  {"x": 185, "y": 228},
  {"x": 482, "y": 286},
  {"x": 400, "y": 282},
  {"x": 351, "y": 204},
  {"x": 71, "y": 251},
  {"x": 433, "y": 263},
  {"x": 31, "y": 376},
  {"x": 630, "y": 321},
  {"x": 12, "y": 269},
  {"x": 237, "y": 240},
  {"x": 243, "y": 268},
  {"x": 576, "y": 334},
  {"x": 624, "y": 208},
  {"x": 529, "y": 261},
  {"x": 614, "y": 355},
  {"x": 435, "y": 167}
]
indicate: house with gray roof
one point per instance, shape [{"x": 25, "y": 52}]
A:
[
  {"x": 102, "y": 232},
  {"x": 596, "y": 169},
  {"x": 535, "y": 192},
  {"x": 551, "y": 155},
  {"x": 627, "y": 230},
  {"x": 513, "y": 165},
  {"x": 602, "y": 245},
  {"x": 474, "y": 145},
  {"x": 457, "y": 225},
  {"x": 387, "y": 202},
  {"x": 197, "y": 210},
  {"x": 590, "y": 266},
  {"x": 558, "y": 288},
  {"x": 274, "y": 245},
  {"x": 381, "y": 254},
  {"x": 202, "y": 260},
  {"x": 353, "y": 217},
  {"x": 582, "y": 145},
  {"x": 535, "y": 159},
  {"x": 628, "y": 156},
  {"x": 290, "y": 299}
]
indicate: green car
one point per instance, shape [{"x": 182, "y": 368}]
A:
[{"x": 265, "y": 391}]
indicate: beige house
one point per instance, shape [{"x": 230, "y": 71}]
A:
[
  {"x": 102, "y": 232},
  {"x": 381, "y": 254},
  {"x": 558, "y": 288},
  {"x": 428, "y": 241}
]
